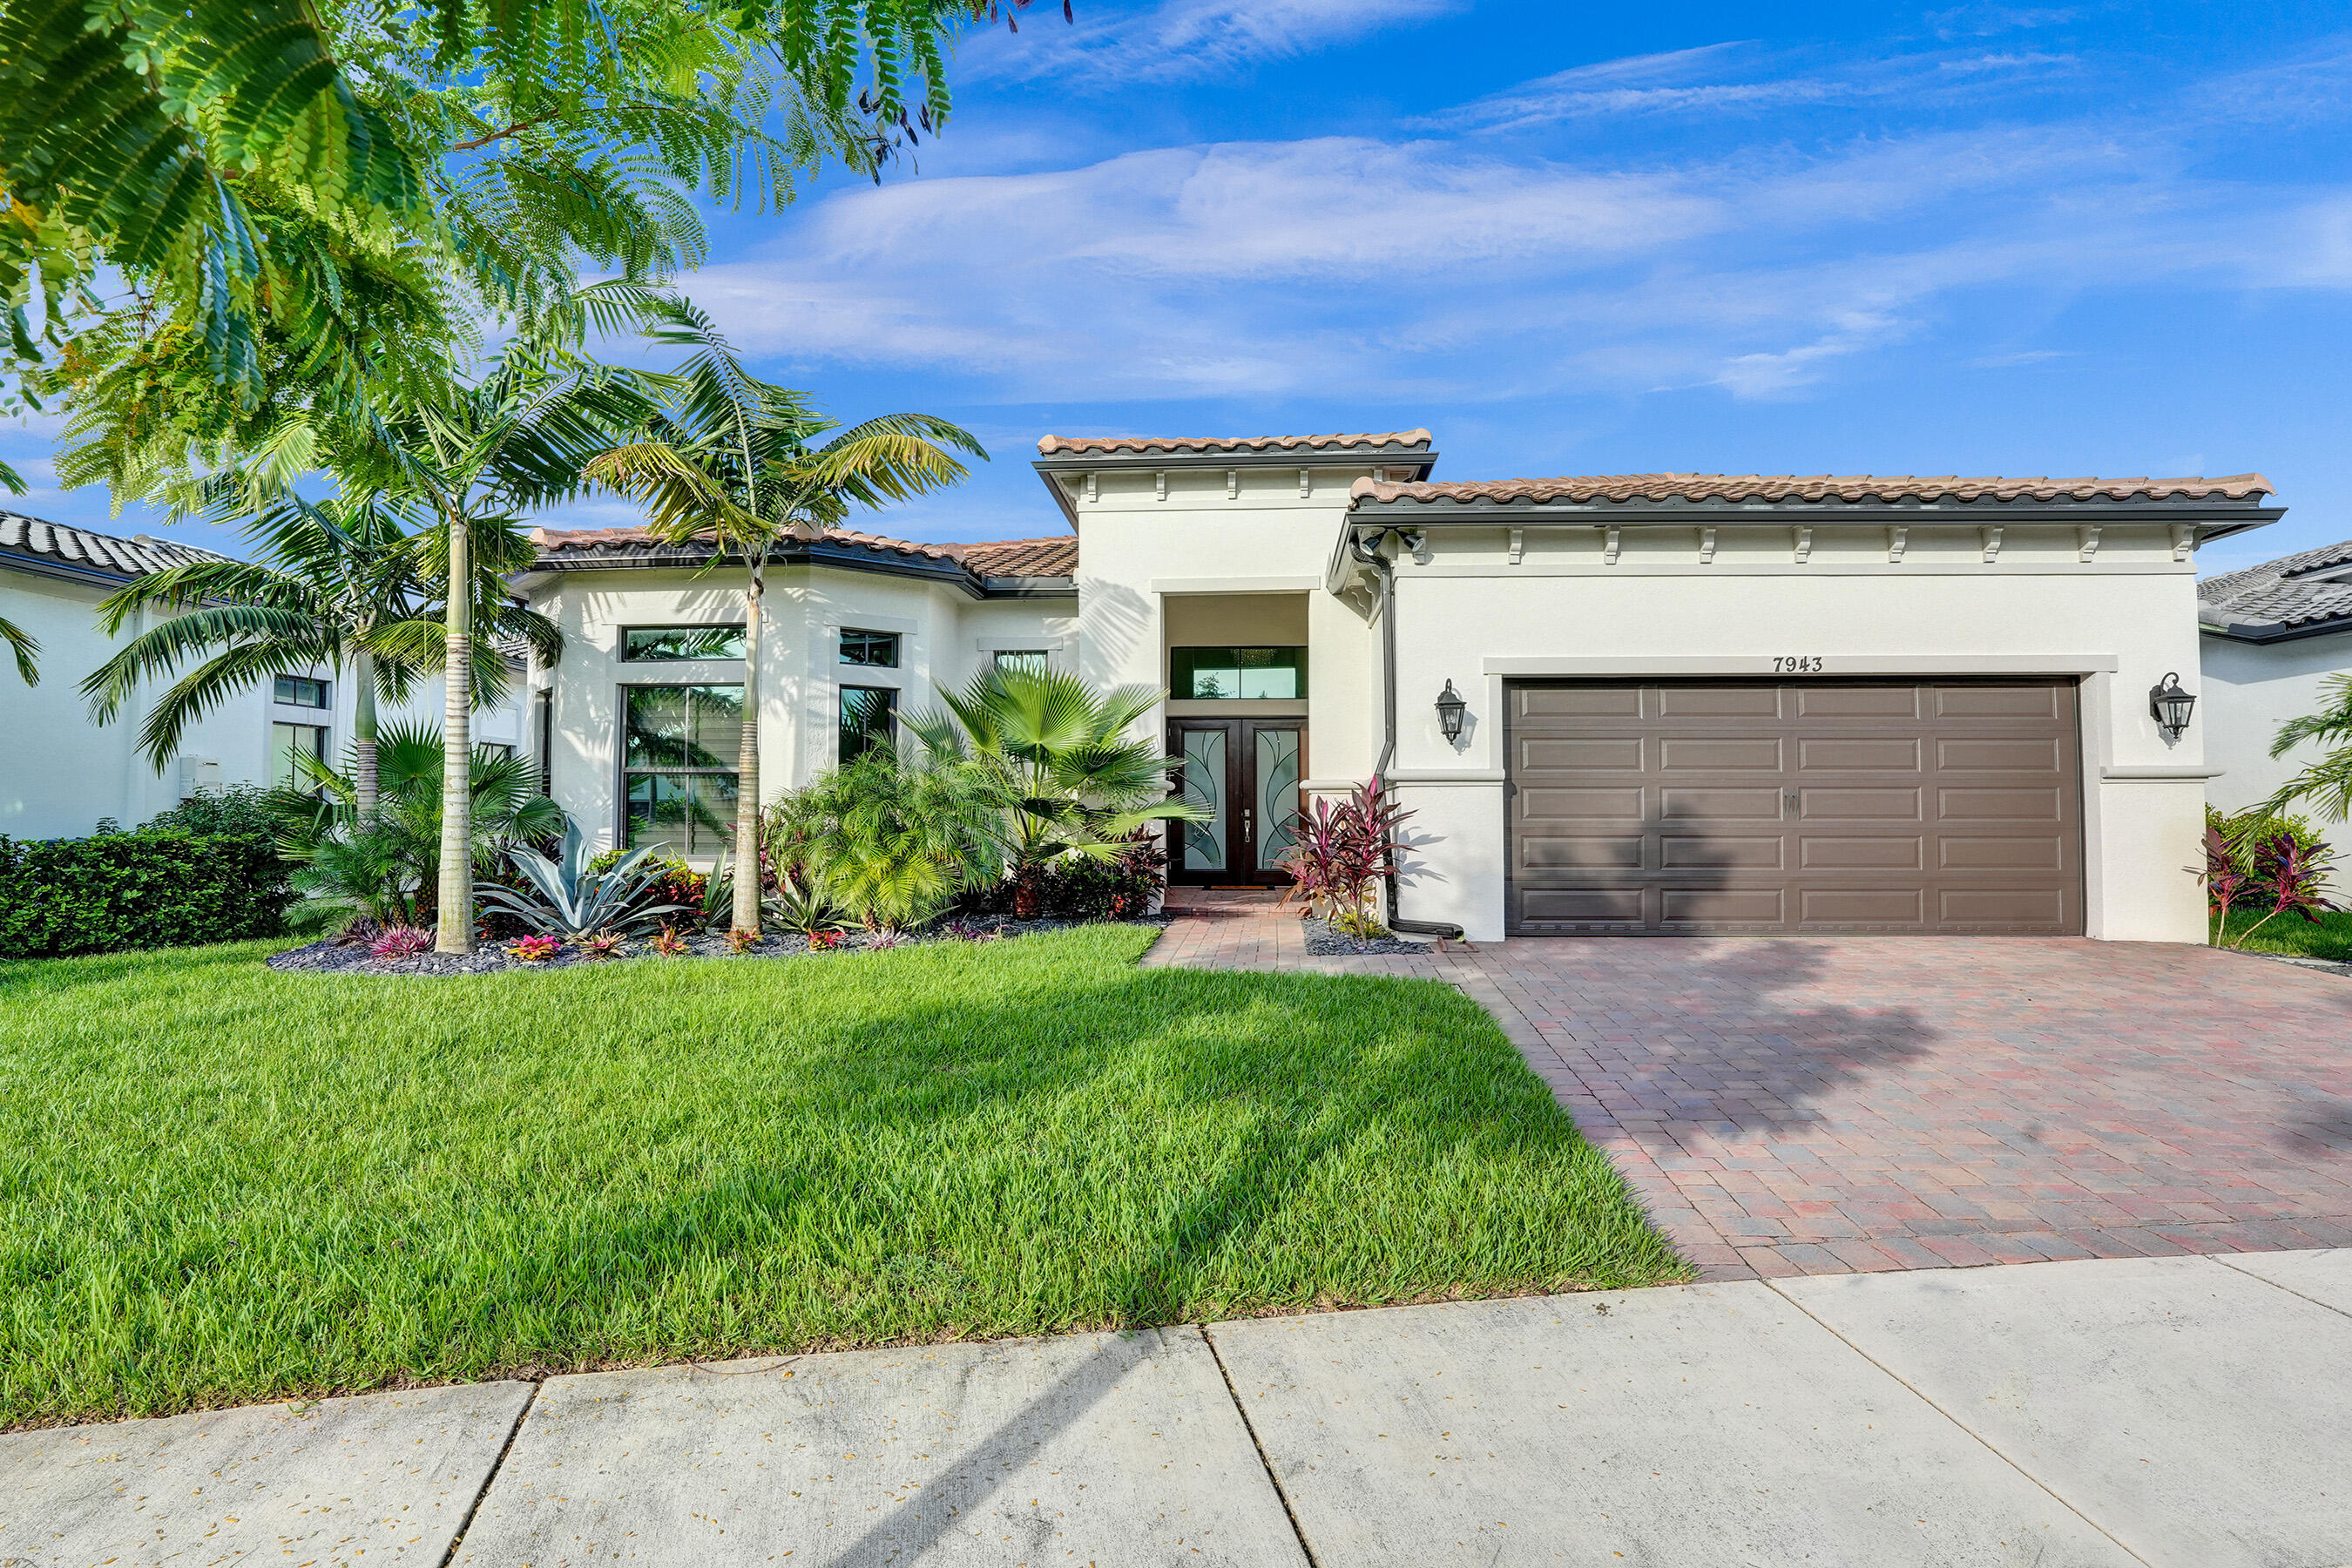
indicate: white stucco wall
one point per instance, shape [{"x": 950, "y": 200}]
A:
[
  {"x": 60, "y": 775},
  {"x": 944, "y": 636},
  {"x": 2249, "y": 689},
  {"x": 2119, "y": 623}
]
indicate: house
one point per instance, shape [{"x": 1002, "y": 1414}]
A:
[
  {"x": 2272, "y": 634},
  {"x": 1672, "y": 703},
  {"x": 60, "y": 776}
]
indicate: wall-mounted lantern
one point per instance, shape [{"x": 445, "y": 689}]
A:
[
  {"x": 2171, "y": 706},
  {"x": 1450, "y": 709}
]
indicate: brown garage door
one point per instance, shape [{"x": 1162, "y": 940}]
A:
[{"x": 1806, "y": 808}]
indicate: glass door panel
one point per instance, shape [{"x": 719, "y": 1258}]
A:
[
  {"x": 1204, "y": 787},
  {"x": 1275, "y": 788}
]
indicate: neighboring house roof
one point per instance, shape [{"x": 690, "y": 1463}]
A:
[
  {"x": 1141, "y": 445},
  {"x": 1888, "y": 488},
  {"x": 1000, "y": 566},
  {"x": 2290, "y": 597},
  {"x": 53, "y": 549}
]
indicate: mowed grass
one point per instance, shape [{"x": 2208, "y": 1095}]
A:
[
  {"x": 220, "y": 1185},
  {"x": 2331, "y": 938}
]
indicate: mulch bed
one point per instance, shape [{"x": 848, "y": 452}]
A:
[{"x": 331, "y": 956}]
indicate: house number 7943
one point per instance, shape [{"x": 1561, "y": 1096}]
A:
[{"x": 1797, "y": 664}]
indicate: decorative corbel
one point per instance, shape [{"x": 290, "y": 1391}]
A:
[
  {"x": 2086, "y": 540},
  {"x": 1896, "y": 538},
  {"x": 1804, "y": 544},
  {"x": 1992, "y": 537},
  {"x": 1706, "y": 546},
  {"x": 1094, "y": 489},
  {"x": 2184, "y": 540},
  {"x": 1612, "y": 540},
  {"x": 1306, "y": 483},
  {"x": 1518, "y": 544},
  {"x": 1233, "y": 484},
  {"x": 1159, "y": 483}
]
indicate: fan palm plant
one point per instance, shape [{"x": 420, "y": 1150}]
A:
[
  {"x": 386, "y": 862},
  {"x": 736, "y": 463},
  {"x": 1077, "y": 779}
]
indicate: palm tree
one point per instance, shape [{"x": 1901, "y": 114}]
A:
[
  {"x": 1081, "y": 781},
  {"x": 337, "y": 584},
  {"x": 2325, "y": 783},
  {"x": 473, "y": 455},
  {"x": 23, "y": 645},
  {"x": 732, "y": 463}
]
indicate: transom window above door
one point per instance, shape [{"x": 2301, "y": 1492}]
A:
[
  {"x": 874, "y": 650},
  {"x": 1238, "y": 674},
  {"x": 651, "y": 644}
]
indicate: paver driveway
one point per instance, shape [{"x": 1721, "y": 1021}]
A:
[{"x": 1814, "y": 1107}]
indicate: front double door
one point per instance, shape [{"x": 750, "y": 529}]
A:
[{"x": 1242, "y": 775}]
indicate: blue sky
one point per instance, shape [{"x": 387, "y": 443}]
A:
[{"x": 2109, "y": 239}]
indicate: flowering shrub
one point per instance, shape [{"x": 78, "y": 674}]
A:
[
  {"x": 669, "y": 944},
  {"x": 604, "y": 945},
  {"x": 397, "y": 942},
  {"x": 536, "y": 949}
]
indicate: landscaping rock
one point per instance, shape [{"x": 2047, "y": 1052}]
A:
[{"x": 1323, "y": 942}]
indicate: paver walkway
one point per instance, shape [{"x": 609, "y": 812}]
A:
[
  {"x": 2150, "y": 1413},
  {"x": 1818, "y": 1107}
]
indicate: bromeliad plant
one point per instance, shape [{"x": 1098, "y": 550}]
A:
[
  {"x": 1343, "y": 849},
  {"x": 566, "y": 898}
]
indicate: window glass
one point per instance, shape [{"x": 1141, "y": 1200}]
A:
[
  {"x": 868, "y": 715},
  {"x": 301, "y": 692},
  {"x": 678, "y": 749},
  {"x": 641, "y": 645},
  {"x": 1029, "y": 658},
  {"x": 287, "y": 742},
  {"x": 1213, "y": 674},
  {"x": 876, "y": 650}
]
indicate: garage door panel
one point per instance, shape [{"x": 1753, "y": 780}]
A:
[
  {"x": 1736, "y": 906},
  {"x": 1997, "y": 805},
  {"x": 1839, "y": 852},
  {"x": 1817, "y": 804},
  {"x": 1717, "y": 701},
  {"x": 1583, "y": 755},
  {"x": 2041, "y": 702},
  {"x": 1857, "y": 701},
  {"x": 1547, "y": 853},
  {"x": 1720, "y": 753},
  {"x": 2047, "y": 854},
  {"x": 1720, "y": 804},
  {"x": 1897, "y": 755},
  {"x": 1582, "y": 805},
  {"x": 1678, "y": 852},
  {"x": 1799, "y": 806},
  {"x": 1615, "y": 906},
  {"x": 1577, "y": 702}
]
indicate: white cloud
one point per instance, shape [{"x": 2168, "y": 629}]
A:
[{"x": 1186, "y": 40}]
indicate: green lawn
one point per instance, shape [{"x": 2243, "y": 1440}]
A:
[
  {"x": 2331, "y": 938},
  {"x": 218, "y": 1184}
]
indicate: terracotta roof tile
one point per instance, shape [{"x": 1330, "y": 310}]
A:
[
  {"x": 135, "y": 557},
  {"x": 1104, "y": 445},
  {"x": 1808, "y": 488},
  {"x": 1055, "y": 557}
]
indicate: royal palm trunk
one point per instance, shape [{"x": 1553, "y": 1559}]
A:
[
  {"x": 364, "y": 759},
  {"x": 455, "y": 932}
]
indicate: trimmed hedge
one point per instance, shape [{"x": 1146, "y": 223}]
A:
[{"x": 147, "y": 888}]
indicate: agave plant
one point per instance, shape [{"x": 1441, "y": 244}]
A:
[
  {"x": 565, "y": 897},
  {"x": 800, "y": 908}
]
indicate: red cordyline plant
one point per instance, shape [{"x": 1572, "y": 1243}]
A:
[
  {"x": 2224, "y": 878},
  {"x": 2287, "y": 876},
  {"x": 1342, "y": 848}
]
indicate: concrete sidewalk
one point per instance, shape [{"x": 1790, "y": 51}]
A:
[{"x": 2189, "y": 1411}]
